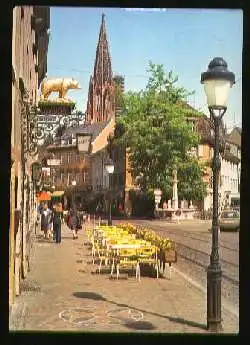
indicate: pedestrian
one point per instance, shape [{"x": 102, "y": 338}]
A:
[
  {"x": 74, "y": 221},
  {"x": 57, "y": 222},
  {"x": 50, "y": 224},
  {"x": 45, "y": 219}
]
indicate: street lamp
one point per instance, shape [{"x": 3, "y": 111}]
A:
[
  {"x": 73, "y": 194},
  {"x": 110, "y": 167},
  {"x": 217, "y": 81}
]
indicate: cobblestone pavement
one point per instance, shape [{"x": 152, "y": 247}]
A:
[{"x": 62, "y": 294}]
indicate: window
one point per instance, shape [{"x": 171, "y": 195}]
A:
[
  {"x": 64, "y": 158},
  {"x": 200, "y": 151},
  {"x": 211, "y": 153},
  {"x": 69, "y": 157},
  {"x": 78, "y": 178}
]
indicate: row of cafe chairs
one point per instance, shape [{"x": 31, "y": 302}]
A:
[{"x": 117, "y": 248}]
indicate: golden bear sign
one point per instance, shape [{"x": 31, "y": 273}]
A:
[{"x": 60, "y": 85}]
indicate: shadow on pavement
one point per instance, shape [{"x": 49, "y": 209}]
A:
[
  {"x": 140, "y": 325},
  {"x": 89, "y": 295},
  {"x": 98, "y": 297},
  {"x": 187, "y": 322}
]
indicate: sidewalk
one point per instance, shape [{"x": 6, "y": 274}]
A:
[{"x": 69, "y": 297}]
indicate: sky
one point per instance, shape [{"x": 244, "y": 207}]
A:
[{"x": 182, "y": 40}]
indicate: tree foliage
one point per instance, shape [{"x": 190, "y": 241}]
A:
[{"x": 159, "y": 137}]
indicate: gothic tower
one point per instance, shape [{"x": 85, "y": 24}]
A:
[{"x": 101, "y": 96}]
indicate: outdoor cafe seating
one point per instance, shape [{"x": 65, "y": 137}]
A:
[{"x": 115, "y": 248}]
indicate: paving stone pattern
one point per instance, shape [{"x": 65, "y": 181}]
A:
[{"x": 62, "y": 294}]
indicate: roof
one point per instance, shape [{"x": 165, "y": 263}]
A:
[
  {"x": 95, "y": 129},
  {"x": 228, "y": 156},
  {"x": 235, "y": 136}
]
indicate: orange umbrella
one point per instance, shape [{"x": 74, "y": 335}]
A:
[{"x": 44, "y": 196}]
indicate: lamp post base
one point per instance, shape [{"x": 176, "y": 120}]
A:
[
  {"x": 214, "y": 320},
  {"x": 109, "y": 222}
]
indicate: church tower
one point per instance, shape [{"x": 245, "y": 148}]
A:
[{"x": 101, "y": 96}]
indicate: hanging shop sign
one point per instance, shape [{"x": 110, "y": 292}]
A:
[
  {"x": 46, "y": 171},
  {"x": 36, "y": 169},
  {"x": 53, "y": 162},
  {"x": 83, "y": 142},
  {"x": 48, "y": 118}
]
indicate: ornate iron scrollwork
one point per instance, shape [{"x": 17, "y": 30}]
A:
[
  {"x": 34, "y": 130},
  {"x": 73, "y": 120}
]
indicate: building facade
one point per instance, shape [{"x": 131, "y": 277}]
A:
[
  {"x": 30, "y": 37},
  {"x": 231, "y": 170},
  {"x": 75, "y": 166}
]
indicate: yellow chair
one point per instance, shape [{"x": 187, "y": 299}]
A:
[
  {"x": 127, "y": 258},
  {"x": 103, "y": 255},
  {"x": 148, "y": 255}
]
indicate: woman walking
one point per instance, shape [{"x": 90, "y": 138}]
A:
[
  {"x": 45, "y": 219},
  {"x": 74, "y": 221},
  {"x": 57, "y": 222}
]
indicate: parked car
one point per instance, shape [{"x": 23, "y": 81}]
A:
[{"x": 229, "y": 220}]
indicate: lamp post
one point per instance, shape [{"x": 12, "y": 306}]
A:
[
  {"x": 73, "y": 193},
  {"x": 110, "y": 167},
  {"x": 217, "y": 81}
]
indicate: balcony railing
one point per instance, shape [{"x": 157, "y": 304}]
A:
[{"x": 76, "y": 166}]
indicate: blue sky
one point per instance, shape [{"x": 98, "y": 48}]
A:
[{"x": 183, "y": 40}]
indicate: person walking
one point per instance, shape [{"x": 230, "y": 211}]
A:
[
  {"x": 57, "y": 223},
  {"x": 74, "y": 221},
  {"x": 45, "y": 219}
]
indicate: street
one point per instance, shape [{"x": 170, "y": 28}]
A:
[{"x": 193, "y": 242}]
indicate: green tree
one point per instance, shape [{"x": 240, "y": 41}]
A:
[
  {"x": 118, "y": 92},
  {"x": 191, "y": 185},
  {"x": 158, "y": 135}
]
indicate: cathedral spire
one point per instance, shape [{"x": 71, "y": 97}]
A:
[
  {"x": 101, "y": 103},
  {"x": 102, "y": 69}
]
